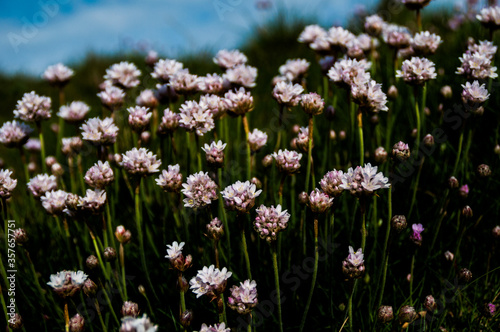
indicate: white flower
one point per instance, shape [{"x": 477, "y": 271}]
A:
[
  {"x": 165, "y": 69},
  {"x": 257, "y": 139},
  {"x": 242, "y": 76},
  {"x": 210, "y": 281},
  {"x": 7, "y": 184},
  {"x": 123, "y": 74},
  {"x": 287, "y": 94},
  {"x": 174, "y": 250},
  {"x": 229, "y": 59},
  {"x": 355, "y": 258}
]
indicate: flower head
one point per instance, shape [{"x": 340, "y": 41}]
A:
[
  {"x": 287, "y": 161},
  {"x": 311, "y": 33},
  {"x": 238, "y": 102},
  {"x": 200, "y": 190},
  {"x": 347, "y": 71},
  {"x": 139, "y": 118},
  {"x": 7, "y": 183},
  {"x": 170, "y": 180},
  {"x": 240, "y": 196},
  {"x": 100, "y": 175},
  {"x": 71, "y": 146},
  {"x": 490, "y": 17},
  {"x": 214, "y": 328},
  {"x": 294, "y": 69},
  {"x": 54, "y": 202},
  {"x": 99, "y": 132},
  {"x": 67, "y": 283},
  {"x": 123, "y": 74},
  {"x": 353, "y": 266},
  {"x": 169, "y": 122},
  {"x": 424, "y": 43},
  {"x": 112, "y": 97},
  {"x": 42, "y": 183},
  {"x": 374, "y": 25},
  {"x": 243, "y": 298},
  {"x": 196, "y": 117},
  {"x": 331, "y": 183},
  {"x": 474, "y": 94},
  {"x": 287, "y": 94},
  {"x": 396, "y": 36},
  {"x": 319, "y": 202},
  {"x": 142, "y": 324},
  {"x": 58, "y": 74},
  {"x": 215, "y": 153},
  {"x": 215, "y": 104},
  {"x": 416, "y": 236},
  {"x": 257, "y": 139},
  {"x": 215, "y": 229},
  {"x": 140, "y": 162},
  {"x": 363, "y": 181},
  {"x": 74, "y": 112},
  {"x": 227, "y": 59},
  {"x": 302, "y": 140},
  {"x": 212, "y": 83},
  {"x": 177, "y": 259},
  {"x": 312, "y": 103},
  {"x": 33, "y": 108},
  {"x": 270, "y": 221},
  {"x": 210, "y": 281},
  {"x": 14, "y": 134},
  {"x": 185, "y": 83},
  {"x": 241, "y": 76},
  {"x": 417, "y": 71},
  {"x": 147, "y": 98},
  {"x": 165, "y": 69},
  {"x": 477, "y": 65},
  {"x": 93, "y": 201},
  {"x": 369, "y": 96}
]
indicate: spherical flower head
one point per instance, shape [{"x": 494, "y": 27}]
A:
[
  {"x": 347, "y": 71},
  {"x": 7, "y": 183},
  {"x": 215, "y": 328},
  {"x": 123, "y": 74},
  {"x": 215, "y": 104},
  {"x": 415, "y": 4},
  {"x": 215, "y": 229},
  {"x": 257, "y": 139},
  {"x": 416, "y": 236},
  {"x": 42, "y": 183},
  {"x": 312, "y": 103},
  {"x": 401, "y": 151},
  {"x": 407, "y": 314},
  {"x": 165, "y": 69},
  {"x": 210, "y": 281},
  {"x": 398, "y": 223},
  {"x": 319, "y": 202},
  {"x": 476, "y": 65},
  {"x": 196, "y": 117},
  {"x": 140, "y": 162},
  {"x": 396, "y": 36},
  {"x": 302, "y": 140},
  {"x": 176, "y": 258},
  {"x": 330, "y": 184},
  {"x": 474, "y": 95},
  {"x": 74, "y": 112},
  {"x": 215, "y": 153},
  {"x": 374, "y": 25},
  {"x": 185, "y": 83},
  {"x": 287, "y": 94},
  {"x": 270, "y": 221},
  {"x": 339, "y": 38},
  {"x": 449, "y": 256},
  {"x": 99, "y": 132},
  {"x": 33, "y": 108},
  {"x": 425, "y": 43},
  {"x": 71, "y": 146},
  {"x": 14, "y": 134},
  {"x": 170, "y": 180},
  {"x": 58, "y": 75},
  {"x": 227, "y": 59},
  {"x": 112, "y": 97},
  {"x": 169, "y": 122},
  {"x": 77, "y": 323},
  {"x": 430, "y": 303},
  {"x": 67, "y": 283},
  {"x": 385, "y": 314},
  {"x": 123, "y": 235},
  {"x": 380, "y": 155},
  {"x": 294, "y": 69},
  {"x": 490, "y": 17},
  {"x": 288, "y": 162},
  {"x": 238, "y": 102},
  {"x": 369, "y": 96},
  {"x": 243, "y": 298},
  {"x": 240, "y": 76},
  {"x": 54, "y": 202},
  {"x": 139, "y": 118},
  {"x": 417, "y": 71},
  {"x": 373, "y": 180},
  {"x": 199, "y": 190},
  {"x": 100, "y": 175},
  {"x": 212, "y": 84},
  {"x": 311, "y": 33},
  {"x": 142, "y": 324},
  {"x": 240, "y": 196},
  {"x": 33, "y": 145},
  {"x": 147, "y": 98},
  {"x": 93, "y": 201},
  {"x": 485, "y": 47},
  {"x": 490, "y": 309},
  {"x": 353, "y": 266},
  {"x": 130, "y": 308}
]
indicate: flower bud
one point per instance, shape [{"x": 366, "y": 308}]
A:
[
  {"x": 50, "y": 160},
  {"x": 467, "y": 211},
  {"x": 330, "y": 113},
  {"x": 57, "y": 169},
  {"x": 145, "y": 137},
  {"x": 333, "y": 135},
  {"x": 92, "y": 262},
  {"x": 407, "y": 314},
  {"x": 449, "y": 256},
  {"x": 256, "y": 182},
  {"x": 109, "y": 254},
  {"x": 141, "y": 289},
  {"x": 77, "y": 323},
  {"x": 186, "y": 318},
  {"x": 446, "y": 92},
  {"x": 465, "y": 275},
  {"x": 267, "y": 160},
  {"x": 496, "y": 232},
  {"x": 414, "y": 133},
  {"x": 497, "y": 149},
  {"x": 374, "y": 119},
  {"x": 295, "y": 128},
  {"x": 122, "y": 235},
  {"x": 54, "y": 127},
  {"x": 16, "y": 322},
  {"x": 453, "y": 182},
  {"x": 398, "y": 223},
  {"x": 484, "y": 170},
  {"x": 117, "y": 158},
  {"x": 429, "y": 303},
  {"x": 380, "y": 155},
  {"x": 342, "y": 135},
  {"x": 303, "y": 198},
  {"x": 32, "y": 167},
  {"x": 20, "y": 236},
  {"x": 89, "y": 287},
  {"x": 293, "y": 143},
  {"x": 463, "y": 192},
  {"x": 429, "y": 140},
  {"x": 130, "y": 308},
  {"x": 215, "y": 229},
  {"x": 489, "y": 309},
  {"x": 183, "y": 286},
  {"x": 401, "y": 151},
  {"x": 385, "y": 314},
  {"x": 392, "y": 92}
]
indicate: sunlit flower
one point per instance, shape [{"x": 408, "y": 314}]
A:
[
  {"x": 474, "y": 94},
  {"x": 257, "y": 139},
  {"x": 369, "y": 96},
  {"x": 364, "y": 180},
  {"x": 229, "y": 59},
  {"x": 58, "y": 74},
  {"x": 93, "y": 201},
  {"x": 33, "y": 108},
  {"x": 416, "y": 236},
  {"x": 424, "y": 43},
  {"x": 243, "y": 298},
  {"x": 112, "y": 97},
  {"x": 99, "y": 132},
  {"x": 417, "y": 71},
  {"x": 302, "y": 140},
  {"x": 311, "y": 33},
  {"x": 100, "y": 175},
  {"x": 185, "y": 83},
  {"x": 396, "y": 36},
  {"x": 7, "y": 183},
  {"x": 212, "y": 84},
  {"x": 140, "y": 162},
  {"x": 287, "y": 161},
  {"x": 346, "y": 70},
  {"x": 312, "y": 103},
  {"x": 241, "y": 76},
  {"x": 477, "y": 66},
  {"x": 14, "y": 134},
  {"x": 123, "y": 74},
  {"x": 139, "y": 118},
  {"x": 210, "y": 281},
  {"x": 215, "y": 104},
  {"x": 74, "y": 112},
  {"x": 287, "y": 94},
  {"x": 42, "y": 183},
  {"x": 490, "y": 17},
  {"x": 331, "y": 183},
  {"x": 294, "y": 70},
  {"x": 142, "y": 324},
  {"x": 215, "y": 153},
  {"x": 238, "y": 102},
  {"x": 215, "y": 229},
  {"x": 171, "y": 179},
  {"x": 484, "y": 47},
  {"x": 147, "y": 98},
  {"x": 240, "y": 196},
  {"x": 200, "y": 190},
  {"x": 165, "y": 69},
  {"x": 339, "y": 38},
  {"x": 319, "y": 202},
  {"x": 54, "y": 202},
  {"x": 176, "y": 257},
  {"x": 67, "y": 283},
  {"x": 71, "y": 146},
  {"x": 374, "y": 25},
  {"x": 196, "y": 117}
]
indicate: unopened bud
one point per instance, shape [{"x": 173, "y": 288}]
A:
[
  {"x": 295, "y": 128},
  {"x": 141, "y": 290},
  {"x": 446, "y": 92},
  {"x": 484, "y": 170},
  {"x": 109, "y": 254},
  {"x": 374, "y": 119},
  {"x": 303, "y": 198},
  {"x": 380, "y": 155},
  {"x": 429, "y": 303},
  {"x": 449, "y": 256},
  {"x": 92, "y": 262},
  {"x": 467, "y": 211},
  {"x": 429, "y": 140},
  {"x": 333, "y": 135},
  {"x": 32, "y": 167},
  {"x": 342, "y": 135},
  {"x": 183, "y": 286},
  {"x": 463, "y": 191},
  {"x": 385, "y": 314},
  {"x": 122, "y": 235},
  {"x": 117, "y": 158},
  {"x": 401, "y": 151},
  {"x": 145, "y": 137},
  {"x": 57, "y": 169},
  {"x": 453, "y": 182},
  {"x": 54, "y": 127},
  {"x": 77, "y": 323},
  {"x": 50, "y": 160},
  {"x": 89, "y": 287},
  {"x": 16, "y": 322},
  {"x": 256, "y": 182},
  {"x": 392, "y": 92},
  {"x": 497, "y": 149},
  {"x": 130, "y": 308},
  {"x": 20, "y": 236},
  {"x": 186, "y": 318},
  {"x": 267, "y": 160},
  {"x": 407, "y": 314},
  {"x": 414, "y": 133},
  {"x": 465, "y": 275},
  {"x": 398, "y": 223},
  {"x": 496, "y": 232}
]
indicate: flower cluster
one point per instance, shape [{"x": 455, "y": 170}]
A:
[
  {"x": 7, "y": 183},
  {"x": 67, "y": 283},
  {"x": 216, "y": 105},
  {"x": 210, "y": 281},
  {"x": 196, "y": 117},
  {"x": 123, "y": 74},
  {"x": 238, "y": 102},
  {"x": 139, "y": 117},
  {"x": 474, "y": 95},
  {"x": 257, "y": 139},
  {"x": 312, "y": 103},
  {"x": 490, "y": 17},
  {"x": 416, "y": 236},
  {"x": 417, "y": 71},
  {"x": 140, "y": 162},
  {"x": 214, "y": 328},
  {"x": 169, "y": 122},
  {"x": 353, "y": 266},
  {"x": 99, "y": 132},
  {"x": 14, "y": 134},
  {"x": 302, "y": 140},
  {"x": 346, "y": 71},
  {"x": 270, "y": 221},
  {"x": 287, "y": 94},
  {"x": 100, "y": 175},
  {"x": 240, "y": 76},
  {"x": 331, "y": 183},
  {"x": 54, "y": 201},
  {"x": 147, "y": 98},
  {"x": 143, "y": 324},
  {"x": 176, "y": 258},
  {"x": 215, "y": 153},
  {"x": 165, "y": 69},
  {"x": 425, "y": 43},
  {"x": 74, "y": 112},
  {"x": 33, "y": 108},
  {"x": 229, "y": 59},
  {"x": 185, "y": 83},
  {"x": 92, "y": 203},
  {"x": 243, "y": 298},
  {"x": 319, "y": 202},
  {"x": 212, "y": 83},
  {"x": 240, "y": 196},
  {"x": 42, "y": 183},
  {"x": 58, "y": 74},
  {"x": 112, "y": 97},
  {"x": 215, "y": 229},
  {"x": 396, "y": 36},
  {"x": 171, "y": 179},
  {"x": 287, "y": 161},
  {"x": 363, "y": 181},
  {"x": 374, "y": 25},
  {"x": 477, "y": 62},
  {"x": 294, "y": 70},
  {"x": 369, "y": 95},
  {"x": 200, "y": 190}
]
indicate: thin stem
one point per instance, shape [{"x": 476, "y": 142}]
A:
[
  {"x": 460, "y": 144},
  {"x": 277, "y": 282},
  {"x": 98, "y": 253},
  {"x": 309, "y": 151},
  {"x": 198, "y": 152},
  {"x": 249, "y": 155},
  {"x": 122, "y": 264},
  {"x": 42, "y": 146},
  {"x": 417, "y": 180},
  {"x": 216, "y": 253},
  {"x": 385, "y": 259},
  {"x": 280, "y": 192},
  {"x": 101, "y": 320},
  {"x": 419, "y": 20},
  {"x": 361, "y": 142},
  {"x": 417, "y": 115},
  {"x": 363, "y": 230},
  {"x": 278, "y": 140},
  {"x": 411, "y": 278},
  {"x": 315, "y": 274},
  {"x": 350, "y": 305},
  {"x": 244, "y": 245},
  {"x": 66, "y": 316}
]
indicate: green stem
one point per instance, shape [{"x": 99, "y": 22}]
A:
[
  {"x": 417, "y": 180},
  {"x": 350, "y": 305},
  {"x": 198, "y": 152},
  {"x": 277, "y": 282},
  {"x": 122, "y": 265},
  {"x": 42, "y": 146},
  {"x": 100, "y": 315},
  {"x": 385, "y": 259},
  {"x": 66, "y": 317},
  {"x": 460, "y": 143},
  {"x": 244, "y": 245},
  {"x": 98, "y": 253},
  {"x": 411, "y": 278},
  {"x": 280, "y": 129},
  {"x": 417, "y": 115},
  {"x": 315, "y": 274},
  {"x": 249, "y": 155},
  {"x": 309, "y": 151},
  {"x": 361, "y": 141}
]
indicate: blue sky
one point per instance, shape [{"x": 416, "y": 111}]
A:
[{"x": 38, "y": 33}]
